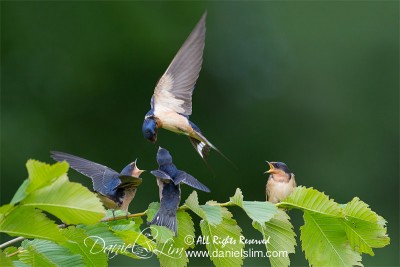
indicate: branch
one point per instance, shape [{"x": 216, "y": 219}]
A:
[
  {"x": 12, "y": 241},
  {"x": 15, "y": 253}
]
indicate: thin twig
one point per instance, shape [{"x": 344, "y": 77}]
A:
[
  {"x": 12, "y": 241},
  {"x": 15, "y": 253}
]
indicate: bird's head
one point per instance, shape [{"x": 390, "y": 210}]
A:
[
  {"x": 278, "y": 168},
  {"x": 132, "y": 170},
  {"x": 163, "y": 156},
  {"x": 149, "y": 129}
]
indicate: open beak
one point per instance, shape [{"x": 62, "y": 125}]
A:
[
  {"x": 136, "y": 171},
  {"x": 271, "y": 168},
  {"x": 153, "y": 140}
]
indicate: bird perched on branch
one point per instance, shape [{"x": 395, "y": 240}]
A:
[
  {"x": 168, "y": 180},
  {"x": 281, "y": 182},
  {"x": 116, "y": 190},
  {"x": 171, "y": 103}
]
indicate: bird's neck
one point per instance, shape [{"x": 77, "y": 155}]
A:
[
  {"x": 281, "y": 177},
  {"x": 127, "y": 198}
]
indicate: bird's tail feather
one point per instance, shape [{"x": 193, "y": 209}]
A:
[
  {"x": 203, "y": 150},
  {"x": 203, "y": 147},
  {"x": 166, "y": 218}
]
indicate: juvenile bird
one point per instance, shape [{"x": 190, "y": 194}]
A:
[
  {"x": 168, "y": 180},
  {"x": 116, "y": 190},
  {"x": 280, "y": 183},
  {"x": 171, "y": 103}
]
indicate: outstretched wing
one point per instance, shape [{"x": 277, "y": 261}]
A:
[
  {"x": 186, "y": 178},
  {"x": 175, "y": 88},
  {"x": 161, "y": 174},
  {"x": 104, "y": 179}
]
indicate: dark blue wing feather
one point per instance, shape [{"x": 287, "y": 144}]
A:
[
  {"x": 161, "y": 174},
  {"x": 186, "y": 178},
  {"x": 104, "y": 178}
]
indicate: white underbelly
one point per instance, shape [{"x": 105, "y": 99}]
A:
[
  {"x": 277, "y": 191},
  {"x": 283, "y": 189},
  {"x": 173, "y": 122}
]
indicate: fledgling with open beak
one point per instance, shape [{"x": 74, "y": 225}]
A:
[
  {"x": 168, "y": 181},
  {"x": 116, "y": 190},
  {"x": 171, "y": 103},
  {"x": 281, "y": 182}
]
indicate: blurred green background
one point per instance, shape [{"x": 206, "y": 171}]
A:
[{"x": 313, "y": 84}]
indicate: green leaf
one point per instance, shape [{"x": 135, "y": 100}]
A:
[
  {"x": 211, "y": 213},
  {"x": 279, "y": 237},
  {"x": 105, "y": 240},
  {"x": 138, "y": 221},
  {"x": 224, "y": 246},
  {"x": 131, "y": 224},
  {"x": 141, "y": 242},
  {"x": 79, "y": 243},
  {"x": 152, "y": 210},
  {"x": 20, "y": 264},
  {"x": 21, "y": 192},
  {"x": 111, "y": 213},
  {"x": 172, "y": 253},
  {"x": 309, "y": 199},
  {"x": 101, "y": 230},
  {"x": 11, "y": 251},
  {"x": 30, "y": 223},
  {"x": 364, "y": 227},
  {"x": 71, "y": 202},
  {"x": 40, "y": 174},
  {"x": 192, "y": 202},
  {"x": 5, "y": 210},
  {"x": 5, "y": 261},
  {"x": 260, "y": 212},
  {"x": 325, "y": 243},
  {"x": 46, "y": 253},
  {"x": 160, "y": 233}
]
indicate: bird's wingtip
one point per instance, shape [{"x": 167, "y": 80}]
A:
[{"x": 53, "y": 152}]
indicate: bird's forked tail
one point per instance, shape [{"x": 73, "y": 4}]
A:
[
  {"x": 203, "y": 147},
  {"x": 167, "y": 218}
]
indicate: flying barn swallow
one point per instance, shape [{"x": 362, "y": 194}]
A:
[
  {"x": 116, "y": 190},
  {"x": 171, "y": 103},
  {"x": 168, "y": 180},
  {"x": 281, "y": 182}
]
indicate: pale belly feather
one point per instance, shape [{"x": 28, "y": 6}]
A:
[
  {"x": 279, "y": 190},
  {"x": 174, "y": 122}
]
